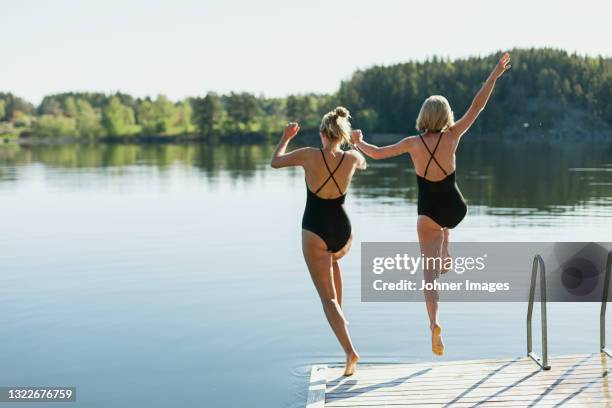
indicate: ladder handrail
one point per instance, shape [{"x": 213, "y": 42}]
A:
[
  {"x": 604, "y": 303},
  {"x": 543, "y": 362}
]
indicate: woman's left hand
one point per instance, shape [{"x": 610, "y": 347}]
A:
[{"x": 291, "y": 130}]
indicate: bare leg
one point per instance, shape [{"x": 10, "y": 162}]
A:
[
  {"x": 319, "y": 263},
  {"x": 431, "y": 238},
  {"x": 446, "y": 258},
  {"x": 337, "y": 281}
]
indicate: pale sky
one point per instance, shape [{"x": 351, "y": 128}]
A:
[{"x": 271, "y": 47}]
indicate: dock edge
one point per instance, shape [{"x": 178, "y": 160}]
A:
[{"x": 316, "y": 387}]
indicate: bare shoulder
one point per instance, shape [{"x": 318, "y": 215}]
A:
[
  {"x": 409, "y": 142},
  {"x": 353, "y": 155},
  {"x": 356, "y": 159},
  {"x": 453, "y": 132},
  {"x": 306, "y": 156},
  {"x": 309, "y": 152}
]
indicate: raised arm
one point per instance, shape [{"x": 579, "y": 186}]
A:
[
  {"x": 294, "y": 158},
  {"x": 376, "y": 152},
  {"x": 481, "y": 98}
]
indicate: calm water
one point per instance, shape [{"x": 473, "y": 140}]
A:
[{"x": 156, "y": 276}]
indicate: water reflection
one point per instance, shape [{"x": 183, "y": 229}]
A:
[
  {"x": 508, "y": 178},
  {"x": 118, "y": 259}
]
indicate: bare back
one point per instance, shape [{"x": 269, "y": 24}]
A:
[
  {"x": 442, "y": 146},
  {"x": 329, "y": 173}
]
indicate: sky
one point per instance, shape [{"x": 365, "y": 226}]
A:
[{"x": 270, "y": 47}]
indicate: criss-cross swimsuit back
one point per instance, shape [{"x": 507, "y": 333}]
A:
[
  {"x": 440, "y": 200},
  {"x": 326, "y": 217}
]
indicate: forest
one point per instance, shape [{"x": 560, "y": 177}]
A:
[{"x": 546, "y": 91}]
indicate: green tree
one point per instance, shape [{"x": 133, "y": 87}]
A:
[
  {"x": 70, "y": 106},
  {"x": 21, "y": 119},
  {"x": 146, "y": 117},
  {"x": 87, "y": 120},
  {"x": 368, "y": 119},
  {"x": 305, "y": 110},
  {"x": 208, "y": 114},
  {"x": 55, "y": 126},
  {"x": 164, "y": 112},
  {"x": 185, "y": 112},
  {"x": 14, "y": 104},
  {"x": 117, "y": 119},
  {"x": 272, "y": 116},
  {"x": 50, "y": 105},
  {"x": 542, "y": 85},
  {"x": 242, "y": 109},
  {"x": 541, "y": 82}
]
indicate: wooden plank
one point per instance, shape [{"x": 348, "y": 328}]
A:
[
  {"x": 593, "y": 359},
  {"x": 499, "y": 371},
  {"x": 316, "y": 387},
  {"x": 592, "y": 387},
  {"x": 579, "y": 380},
  {"x": 427, "y": 378},
  {"x": 499, "y": 404},
  {"x": 558, "y": 396},
  {"x": 568, "y": 395},
  {"x": 445, "y": 363}
]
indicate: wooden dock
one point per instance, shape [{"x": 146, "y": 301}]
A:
[{"x": 573, "y": 381}]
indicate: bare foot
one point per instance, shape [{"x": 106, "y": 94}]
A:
[
  {"x": 437, "y": 345},
  {"x": 351, "y": 364}
]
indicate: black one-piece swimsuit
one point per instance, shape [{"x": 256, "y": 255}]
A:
[
  {"x": 440, "y": 200},
  {"x": 327, "y": 217}
]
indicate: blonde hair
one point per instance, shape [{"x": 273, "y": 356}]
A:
[
  {"x": 335, "y": 125},
  {"x": 435, "y": 115}
]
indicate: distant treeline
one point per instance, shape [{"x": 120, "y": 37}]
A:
[{"x": 545, "y": 90}]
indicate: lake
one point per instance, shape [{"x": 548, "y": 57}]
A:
[{"x": 172, "y": 275}]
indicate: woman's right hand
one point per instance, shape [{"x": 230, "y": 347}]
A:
[
  {"x": 291, "y": 130},
  {"x": 502, "y": 66},
  {"x": 356, "y": 136}
]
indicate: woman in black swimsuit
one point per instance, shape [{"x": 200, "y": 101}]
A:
[
  {"x": 326, "y": 229},
  {"x": 440, "y": 203}
]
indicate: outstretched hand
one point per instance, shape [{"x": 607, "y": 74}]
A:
[
  {"x": 502, "y": 66},
  {"x": 356, "y": 136},
  {"x": 291, "y": 130}
]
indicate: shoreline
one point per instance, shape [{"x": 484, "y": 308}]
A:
[{"x": 510, "y": 136}]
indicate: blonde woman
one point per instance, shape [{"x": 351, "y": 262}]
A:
[
  {"x": 326, "y": 228},
  {"x": 441, "y": 206}
]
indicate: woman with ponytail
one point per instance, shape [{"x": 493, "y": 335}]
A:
[{"x": 326, "y": 228}]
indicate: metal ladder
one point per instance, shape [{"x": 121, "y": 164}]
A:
[
  {"x": 543, "y": 361},
  {"x": 602, "y": 312}
]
